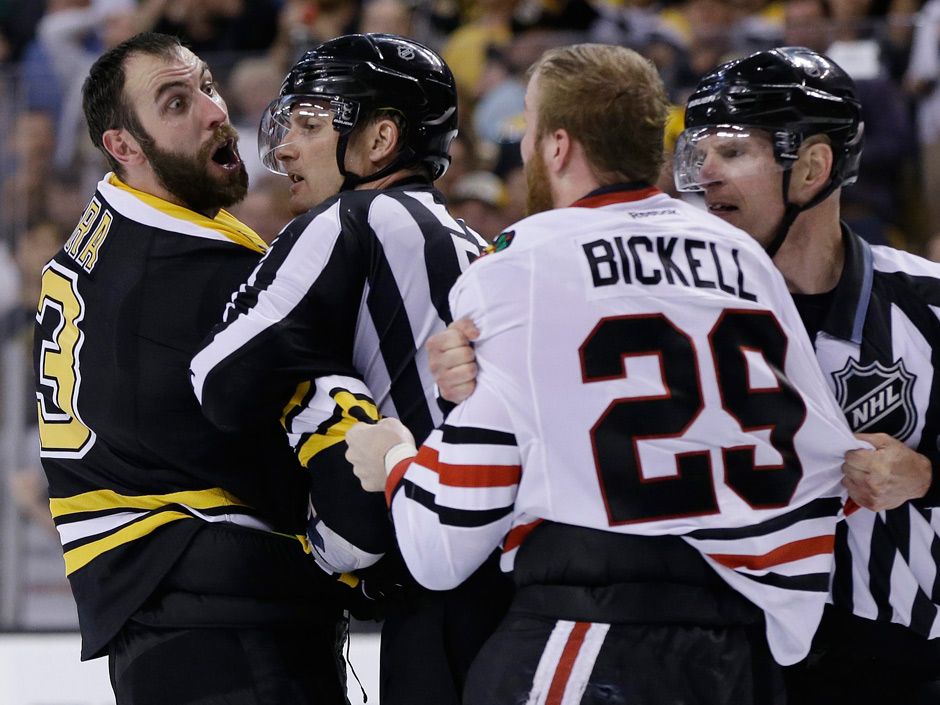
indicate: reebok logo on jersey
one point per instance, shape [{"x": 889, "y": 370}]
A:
[{"x": 876, "y": 398}]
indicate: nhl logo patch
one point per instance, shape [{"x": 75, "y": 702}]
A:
[
  {"x": 406, "y": 53},
  {"x": 877, "y": 399}
]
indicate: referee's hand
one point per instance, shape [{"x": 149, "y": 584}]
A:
[
  {"x": 452, "y": 360},
  {"x": 886, "y": 477}
]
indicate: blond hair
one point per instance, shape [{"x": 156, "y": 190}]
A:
[{"x": 612, "y": 101}]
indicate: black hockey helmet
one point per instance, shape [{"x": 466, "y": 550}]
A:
[
  {"x": 361, "y": 73},
  {"x": 791, "y": 93}
]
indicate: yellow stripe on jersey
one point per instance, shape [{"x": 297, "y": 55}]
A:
[
  {"x": 302, "y": 538},
  {"x": 350, "y": 579},
  {"x": 83, "y": 555},
  {"x": 299, "y": 395},
  {"x": 224, "y": 222},
  {"x": 107, "y": 499},
  {"x": 336, "y": 433}
]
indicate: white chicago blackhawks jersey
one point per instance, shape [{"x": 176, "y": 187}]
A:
[{"x": 642, "y": 370}]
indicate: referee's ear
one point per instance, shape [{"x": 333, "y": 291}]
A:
[
  {"x": 383, "y": 141},
  {"x": 122, "y": 146},
  {"x": 812, "y": 170}
]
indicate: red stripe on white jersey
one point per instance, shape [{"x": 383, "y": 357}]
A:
[
  {"x": 469, "y": 475},
  {"x": 518, "y": 534},
  {"x": 793, "y": 551},
  {"x": 395, "y": 477},
  {"x": 567, "y": 662}
]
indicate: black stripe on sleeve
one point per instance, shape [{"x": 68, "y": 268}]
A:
[
  {"x": 453, "y": 517},
  {"x": 822, "y": 507},
  {"x": 811, "y": 582},
  {"x": 471, "y": 435}
]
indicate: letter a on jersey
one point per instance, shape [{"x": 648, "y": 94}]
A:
[{"x": 877, "y": 398}]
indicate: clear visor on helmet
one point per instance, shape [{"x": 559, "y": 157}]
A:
[
  {"x": 287, "y": 121},
  {"x": 706, "y": 155}
]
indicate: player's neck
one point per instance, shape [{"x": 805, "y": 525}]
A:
[{"x": 812, "y": 256}]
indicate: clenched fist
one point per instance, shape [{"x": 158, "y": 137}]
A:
[
  {"x": 886, "y": 477},
  {"x": 367, "y": 445},
  {"x": 452, "y": 360}
]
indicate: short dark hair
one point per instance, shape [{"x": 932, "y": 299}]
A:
[{"x": 103, "y": 100}]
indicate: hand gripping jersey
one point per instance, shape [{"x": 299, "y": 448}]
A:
[
  {"x": 878, "y": 346},
  {"x": 330, "y": 329},
  {"x": 642, "y": 370},
  {"x": 134, "y": 468}
]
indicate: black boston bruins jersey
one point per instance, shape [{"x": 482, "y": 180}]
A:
[
  {"x": 878, "y": 343},
  {"x": 134, "y": 468}
]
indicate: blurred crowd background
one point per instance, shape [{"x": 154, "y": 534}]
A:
[{"x": 48, "y": 167}]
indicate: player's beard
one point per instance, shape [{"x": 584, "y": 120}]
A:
[
  {"x": 538, "y": 189},
  {"x": 189, "y": 179}
]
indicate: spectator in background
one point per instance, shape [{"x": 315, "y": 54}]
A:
[
  {"x": 388, "y": 16},
  {"x": 516, "y": 194},
  {"x": 923, "y": 82},
  {"x": 932, "y": 248},
  {"x": 27, "y": 162},
  {"x": 497, "y": 115},
  {"x": 808, "y": 23},
  {"x": 254, "y": 80},
  {"x": 266, "y": 208},
  {"x": 18, "y": 20},
  {"x": 500, "y": 93},
  {"x": 465, "y": 49},
  {"x": 479, "y": 199},
  {"x": 219, "y": 25},
  {"x": 872, "y": 206},
  {"x": 630, "y": 24},
  {"x": 9, "y": 297},
  {"x": 72, "y": 34},
  {"x": 302, "y": 24}
]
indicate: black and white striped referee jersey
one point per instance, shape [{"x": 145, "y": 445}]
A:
[
  {"x": 330, "y": 329},
  {"x": 879, "y": 347}
]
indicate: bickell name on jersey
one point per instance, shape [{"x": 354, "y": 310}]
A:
[
  {"x": 678, "y": 261},
  {"x": 134, "y": 468}
]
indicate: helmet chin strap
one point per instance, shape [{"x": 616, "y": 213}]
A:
[
  {"x": 791, "y": 211},
  {"x": 351, "y": 180}
]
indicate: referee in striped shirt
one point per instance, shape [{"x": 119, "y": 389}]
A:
[
  {"x": 872, "y": 315},
  {"x": 330, "y": 328}
]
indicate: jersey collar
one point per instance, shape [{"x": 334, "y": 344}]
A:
[
  {"x": 224, "y": 222},
  {"x": 846, "y": 316},
  {"x": 616, "y": 193}
]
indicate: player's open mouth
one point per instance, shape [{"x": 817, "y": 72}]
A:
[
  {"x": 295, "y": 178},
  {"x": 718, "y": 208},
  {"x": 226, "y": 155}
]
